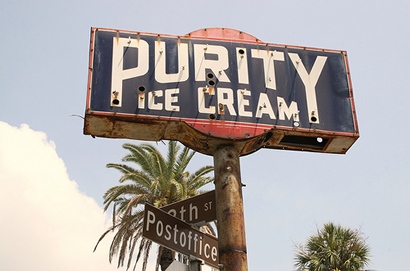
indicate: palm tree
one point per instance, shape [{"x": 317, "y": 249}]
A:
[
  {"x": 333, "y": 248},
  {"x": 157, "y": 180}
]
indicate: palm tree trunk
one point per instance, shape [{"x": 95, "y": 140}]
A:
[{"x": 167, "y": 257}]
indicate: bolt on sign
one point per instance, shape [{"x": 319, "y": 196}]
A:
[
  {"x": 216, "y": 86},
  {"x": 178, "y": 235}
]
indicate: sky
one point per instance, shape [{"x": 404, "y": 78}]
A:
[{"x": 53, "y": 177}]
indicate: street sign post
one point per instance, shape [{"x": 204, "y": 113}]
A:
[
  {"x": 219, "y": 86},
  {"x": 178, "y": 235},
  {"x": 201, "y": 208}
]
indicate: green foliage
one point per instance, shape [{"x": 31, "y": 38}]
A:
[
  {"x": 156, "y": 180},
  {"x": 333, "y": 248}
]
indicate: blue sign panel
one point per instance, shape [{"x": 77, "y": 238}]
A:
[{"x": 225, "y": 88}]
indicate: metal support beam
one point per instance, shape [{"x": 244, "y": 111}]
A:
[{"x": 229, "y": 210}]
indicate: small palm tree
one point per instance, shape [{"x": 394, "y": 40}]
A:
[
  {"x": 333, "y": 248},
  {"x": 157, "y": 180}
]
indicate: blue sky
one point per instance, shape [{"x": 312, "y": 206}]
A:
[{"x": 43, "y": 80}]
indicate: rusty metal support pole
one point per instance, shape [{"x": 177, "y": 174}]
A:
[{"x": 229, "y": 210}]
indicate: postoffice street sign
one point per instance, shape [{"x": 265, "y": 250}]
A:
[
  {"x": 219, "y": 86},
  {"x": 178, "y": 235}
]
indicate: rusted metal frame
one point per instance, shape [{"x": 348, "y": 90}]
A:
[
  {"x": 90, "y": 68},
  {"x": 349, "y": 80},
  {"x": 135, "y": 118}
]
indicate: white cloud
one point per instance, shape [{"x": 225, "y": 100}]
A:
[{"x": 46, "y": 223}]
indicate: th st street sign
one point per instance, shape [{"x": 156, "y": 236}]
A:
[
  {"x": 178, "y": 235},
  {"x": 201, "y": 208},
  {"x": 218, "y": 85}
]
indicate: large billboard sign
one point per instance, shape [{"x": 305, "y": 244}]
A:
[{"x": 216, "y": 86}]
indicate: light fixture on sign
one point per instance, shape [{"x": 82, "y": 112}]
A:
[
  {"x": 221, "y": 108},
  {"x": 296, "y": 122},
  {"x": 211, "y": 81},
  {"x": 313, "y": 117},
  {"x": 115, "y": 99}
]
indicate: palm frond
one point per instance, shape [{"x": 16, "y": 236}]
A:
[
  {"x": 124, "y": 169},
  {"x": 117, "y": 193},
  {"x": 198, "y": 179},
  {"x": 177, "y": 191},
  {"x": 183, "y": 160},
  {"x": 173, "y": 149}
]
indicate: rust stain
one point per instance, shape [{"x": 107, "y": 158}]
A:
[{"x": 117, "y": 37}]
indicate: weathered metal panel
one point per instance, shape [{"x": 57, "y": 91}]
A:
[{"x": 219, "y": 86}]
